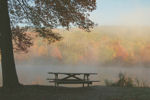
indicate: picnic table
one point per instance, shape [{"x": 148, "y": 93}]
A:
[{"x": 71, "y": 78}]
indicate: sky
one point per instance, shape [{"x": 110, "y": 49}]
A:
[{"x": 122, "y": 12}]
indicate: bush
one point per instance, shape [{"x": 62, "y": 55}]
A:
[{"x": 123, "y": 81}]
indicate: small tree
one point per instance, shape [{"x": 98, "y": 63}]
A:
[{"x": 36, "y": 13}]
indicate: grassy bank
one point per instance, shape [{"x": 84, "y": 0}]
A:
[{"x": 88, "y": 93}]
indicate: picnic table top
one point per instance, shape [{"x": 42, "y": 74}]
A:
[{"x": 70, "y": 73}]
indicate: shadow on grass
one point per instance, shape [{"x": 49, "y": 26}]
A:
[{"x": 39, "y": 92}]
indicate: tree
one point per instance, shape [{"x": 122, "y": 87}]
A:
[{"x": 39, "y": 14}]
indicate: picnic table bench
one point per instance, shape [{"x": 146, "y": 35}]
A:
[{"x": 72, "y": 78}]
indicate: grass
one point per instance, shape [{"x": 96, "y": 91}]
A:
[
  {"x": 87, "y": 93},
  {"x": 126, "y": 81},
  {"x": 126, "y": 88}
]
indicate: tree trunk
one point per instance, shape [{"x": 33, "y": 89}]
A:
[{"x": 10, "y": 78}]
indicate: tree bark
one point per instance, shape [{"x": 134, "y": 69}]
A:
[{"x": 9, "y": 73}]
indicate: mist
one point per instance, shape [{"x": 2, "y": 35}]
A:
[
  {"x": 107, "y": 50},
  {"x": 37, "y": 73}
]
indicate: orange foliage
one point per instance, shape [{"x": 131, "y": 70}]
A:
[
  {"x": 145, "y": 54},
  {"x": 120, "y": 50},
  {"x": 56, "y": 53}
]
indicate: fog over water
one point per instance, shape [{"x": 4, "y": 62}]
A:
[
  {"x": 30, "y": 74},
  {"x": 36, "y": 72}
]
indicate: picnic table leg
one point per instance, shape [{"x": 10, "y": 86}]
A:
[
  {"x": 84, "y": 79},
  {"x": 87, "y": 79},
  {"x": 83, "y": 84},
  {"x": 56, "y": 78}
]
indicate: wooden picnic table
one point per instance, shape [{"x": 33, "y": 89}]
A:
[{"x": 71, "y": 78}]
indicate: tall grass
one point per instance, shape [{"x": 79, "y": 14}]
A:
[{"x": 126, "y": 81}]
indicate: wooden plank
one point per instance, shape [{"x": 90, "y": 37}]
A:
[
  {"x": 65, "y": 80},
  {"x": 75, "y": 82},
  {"x": 71, "y": 81},
  {"x": 71, "y": 73}
]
